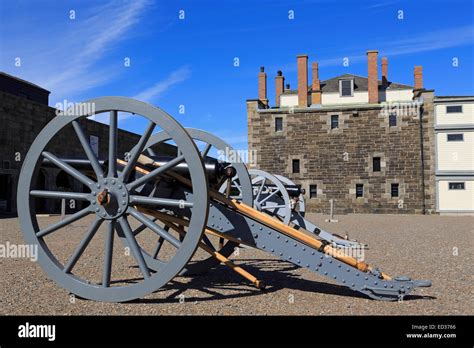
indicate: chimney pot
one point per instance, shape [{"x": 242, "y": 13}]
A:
[
  {"x": 287, "y": 86},
  {"x": 302, "y": 62},
  {"x": 279, "y": 87},
  {"x": 262, "y": 86},
  {"x": 262, "y": 69},
  {"x": 372, "y": 76},
  {"x": 316, "y": 88},
  {"x": 385, "y": 71},
  {"x": 418, "y": 74}
]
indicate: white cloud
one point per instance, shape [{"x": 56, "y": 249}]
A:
[
  {"x": 391, "y": 46},
  {"x": 432, "y": 41},
  {"x": 66, "y": 62},
  {"x": 157, "y": 90}
]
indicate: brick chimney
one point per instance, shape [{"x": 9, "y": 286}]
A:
[
  {"x": 385, "y": 71},
  {"x": 302, "y": 80},
  {"x": 279, "y": 87},
  {"x": 316, "y": 89},
  {"x": 418, "y": 74},
  {"x": 262, "y": 86},
  {"x": 372, "y": 76}
]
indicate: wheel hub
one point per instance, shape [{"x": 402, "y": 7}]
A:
[{"x": 109, "y": 198}]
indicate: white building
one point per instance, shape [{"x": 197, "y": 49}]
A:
[{"x": 454, "y": 148}]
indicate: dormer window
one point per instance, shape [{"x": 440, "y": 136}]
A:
[{"x": 346, "y": 88}]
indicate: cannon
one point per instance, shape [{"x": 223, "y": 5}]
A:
[{"x": 195, "y": 207}]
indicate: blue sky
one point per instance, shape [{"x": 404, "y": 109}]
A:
[{"x": 190, "y": 62}]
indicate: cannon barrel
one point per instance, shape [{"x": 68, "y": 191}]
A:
[
  {"x": 214, "y": 169},
  {"x": 293, "y": 190}
]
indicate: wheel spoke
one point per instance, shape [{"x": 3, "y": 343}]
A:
[
  {"x": 154, "y": 173},
  {"x": 154, "y": 227},
  {"x": 109, "y": 248},
  {"x": 206, "y": 150},
  {"x": 269, "y": 196},
  {"x": 60, "y": 195},
  {"x": 151, "y": 152},
  {"x": 238, "y": 187},
  {"x": 136, "y": 251},
  {"x": 273, "y": 206},
  {"x": 142, "y": 227},
  {"x": 160, "y": 201},
  {"x": 138, "y": 150},
  {"x": 88, "y": 149},
  {"x": 113, "y": 135},
  {"x": 68, "y": 169},
  {"x": 260, "y": 190},
  {"x": 159, "y": 245},
  {"x": 208, "y": 242},
  {"x": 82, "y": 245},
  {"x": 70, "y": 219}
]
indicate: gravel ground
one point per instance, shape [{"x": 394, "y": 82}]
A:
[{"x": 438, "y": 248}]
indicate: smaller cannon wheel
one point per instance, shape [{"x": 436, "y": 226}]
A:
[
  {"x": 241, "y": 187},
  {"x": 298, "y": 204}
]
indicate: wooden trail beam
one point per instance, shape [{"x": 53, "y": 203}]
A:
[
  {"x": 183, "y": 222},
  {"x": 239, "y": 270},
  {"x": 267, "y": 220}
]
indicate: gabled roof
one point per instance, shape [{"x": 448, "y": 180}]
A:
[{"x": 360, "y": 84}]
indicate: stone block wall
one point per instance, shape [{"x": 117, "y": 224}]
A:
[{"x": 337, "y": 159}]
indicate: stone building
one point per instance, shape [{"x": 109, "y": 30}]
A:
[
  {"x": 367, "y": 143},
  {"x": 24, "y": 111}
]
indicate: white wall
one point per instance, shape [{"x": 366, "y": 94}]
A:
[
  {"x": 455, "y": 155},
  {"x": 363, "y": 97},
  {"x": 334, "y": 98},
  {"x": 397, "y": 95},
  {"x": 287, "y": 100},
  {"x": 455, "y": 200},
  {"x": 466, "y": 117}
]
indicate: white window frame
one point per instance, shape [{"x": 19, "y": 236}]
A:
[{"x": 340, "y": 88}]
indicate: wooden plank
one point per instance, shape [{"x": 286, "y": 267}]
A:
[{"x": 239, "y": 270}]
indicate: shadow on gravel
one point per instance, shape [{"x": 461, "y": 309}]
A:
[{"x": 221, "y": 283}]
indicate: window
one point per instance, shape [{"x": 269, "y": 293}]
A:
[
  {"x": 345, "y": 88},
  {"x": 359, "y": 190},
  {"x": 278, "y": 124},
  {"x": 456, "y": 137},
  {"x": 394, "y": 190},
  {"x": 313, "y": 191},
  {"x": 376, "y": 164},
  {"x": 296, "y": 166},
  {"x": 452, "y": 109},
  {"x": 392, "y": 120},
  {"x": 334, "y": 121},
  {"x": 456, "y": 186}
]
